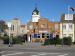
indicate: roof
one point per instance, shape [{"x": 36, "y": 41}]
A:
[
  {"x": 23, "y": 25},
  {"x": 35, "y": 10},
  {"x": 15, "y": 19}
]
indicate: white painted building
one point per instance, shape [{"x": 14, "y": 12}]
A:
[{"x": 67, "y": 26}]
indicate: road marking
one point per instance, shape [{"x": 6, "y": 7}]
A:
[
  {"x": 63, "y": 55},
  {"x": 43, "y": 53},
  {"x": 13, "y": 54},
  {"x": 37, "y": 53},
  {"x": 2, "y": 51},
  {"x": 34, "y": 55}
]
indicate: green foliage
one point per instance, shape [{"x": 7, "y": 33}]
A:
[
  {"x": 67, "y": 40},
  {"x": 47, "y": 42},
  {"x": 58, "y": 41},
  {"x": 3, "y": 26},
  {"x": 5, "y": 39},
  {"x": 16, "y": 40},
  {"x": 53, "y": 41},
  {"x": 13, "y": 40}
]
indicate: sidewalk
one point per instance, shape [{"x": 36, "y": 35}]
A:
[{"x": 35, "y": 45}]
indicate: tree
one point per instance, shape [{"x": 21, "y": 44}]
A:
[{"x": 3, "y": 26}]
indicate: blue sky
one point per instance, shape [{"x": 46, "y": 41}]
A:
[{"x": 22, "y": 9}]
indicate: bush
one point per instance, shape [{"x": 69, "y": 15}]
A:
[
  {"x": 13, "y": 40},
  {"x": 16, "y": 41},
  {"x": 47, "y": 42},
  {"x": 53, "y": 41},
  {"x": 67, "y": 40},
  {"x": 6, "y": 40}
]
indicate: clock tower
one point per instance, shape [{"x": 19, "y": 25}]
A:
[{"x": 35, "y": 15}]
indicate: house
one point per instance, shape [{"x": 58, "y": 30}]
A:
[{"x": 67, "y": 26}]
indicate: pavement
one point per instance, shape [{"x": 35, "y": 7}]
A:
[{"x": 35, "y": 49}]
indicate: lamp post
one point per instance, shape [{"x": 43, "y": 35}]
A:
[{"x": 9, "y": 26}]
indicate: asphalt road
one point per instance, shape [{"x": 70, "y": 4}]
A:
[
  {"x": 55, "y": 51},
  {"x": 35, "y": 49}
]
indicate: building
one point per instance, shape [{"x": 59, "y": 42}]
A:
[
  {"x": 37, "y": 29},
  {"x": 35, "y": 15},
  {"x": 67, "y": 26},
  {"x": 40, "y": 28},
  {"x": 17, "y": 28},
  {"x": 23, "y": 29}
]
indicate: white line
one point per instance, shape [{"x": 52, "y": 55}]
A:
[
  {"x": 43, "y": 53},
  {"x": 38, "y": 53},
  {"x": 2, "y": 51},
  {"x": 63, "y": 55},
  {"x": 13, "y": 54},
  {"x": 34, "y": 55}
]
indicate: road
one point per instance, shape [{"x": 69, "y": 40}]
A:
[
  {"x": 35, "y": 49},
  {"x": 38, "y": 51}
]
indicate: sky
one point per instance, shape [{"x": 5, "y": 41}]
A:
[{"x": 22, "y": 9}]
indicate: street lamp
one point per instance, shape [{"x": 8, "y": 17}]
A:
[{"x": 9, "y": 27}]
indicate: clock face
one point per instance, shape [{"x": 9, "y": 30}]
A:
[{"x": 34, "y": 13}]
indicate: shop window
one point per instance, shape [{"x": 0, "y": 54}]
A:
[
  {"x": 47, "y": 35},
  {"x": 38, "y": 35},
  {"x": 43, "y": 35}
]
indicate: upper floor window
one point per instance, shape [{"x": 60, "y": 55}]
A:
[
  {"x": 70, "y": 26},
  {"x": 44, "y": 26},
  {"x": 64, "y": 26},
  {"x": 12, "y": 27}
]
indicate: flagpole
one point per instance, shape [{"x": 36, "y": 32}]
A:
[
  {"x": 68, "y": 17},
  {"x": 68, "y": 10}
]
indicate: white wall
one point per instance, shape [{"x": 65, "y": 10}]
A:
[
  {"x": 67, "y": 31},
  {"x": 35, "y": 18}
]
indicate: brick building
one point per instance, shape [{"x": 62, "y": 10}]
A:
[{"x": 40, "y": 28}]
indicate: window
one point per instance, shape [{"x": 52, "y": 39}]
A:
[
  {"x": 43, "y": 35},
  {"x": 64, "y": 35},
  {"x": 43, "y": 25},
  {"x": 70, "y": 26},
  {"x": 71, "y": 35},
  {"x": 38, "y": 35},
  {"x": 47, "y": 35},
  {"x": 13, "y": 27},
  {"x": 22, "y": 31},
  {"x": 64, "y": 26}
]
